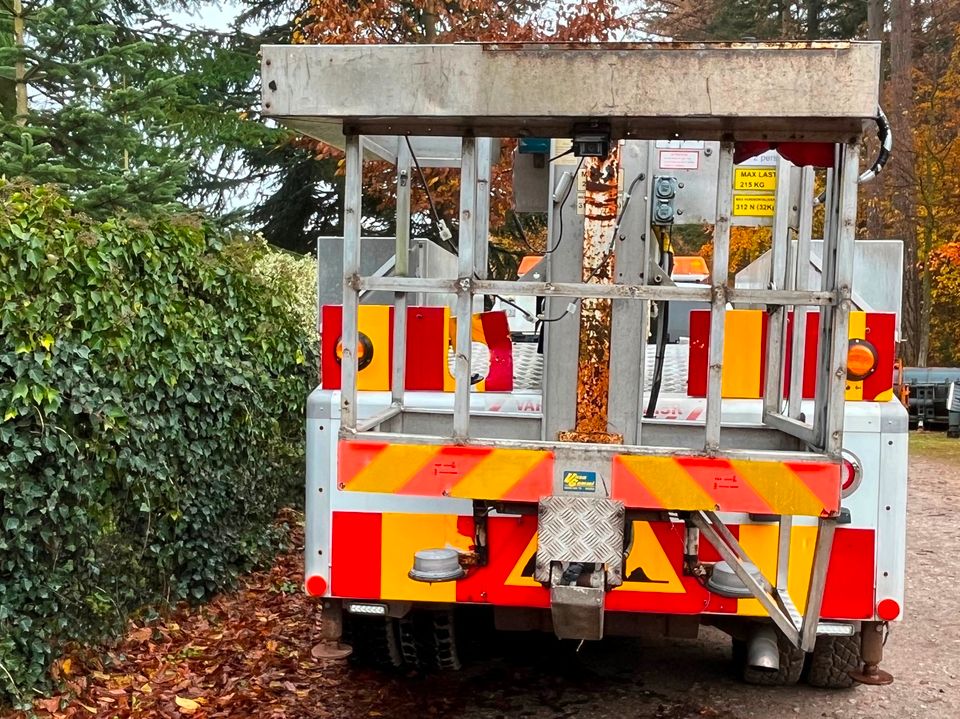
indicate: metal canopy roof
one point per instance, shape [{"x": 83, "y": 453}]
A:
[{"x": 772, "y": 91}]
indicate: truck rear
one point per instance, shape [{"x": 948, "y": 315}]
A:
[{"x": 626, "y": 443}]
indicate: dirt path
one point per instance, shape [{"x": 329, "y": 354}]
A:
[{"x": 247, "y": 654}]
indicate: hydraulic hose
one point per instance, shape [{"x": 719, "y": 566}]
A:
[{"x": 885, "y": 135}]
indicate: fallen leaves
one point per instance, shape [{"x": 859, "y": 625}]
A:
[
  {"x": 187, "y": 706},
  {"x": 243, "y": 654}
]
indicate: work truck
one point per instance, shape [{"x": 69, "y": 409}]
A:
[{"x": 623, "y": 440}]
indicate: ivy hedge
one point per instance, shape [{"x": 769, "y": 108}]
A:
[{"x": 152, "y": 385}]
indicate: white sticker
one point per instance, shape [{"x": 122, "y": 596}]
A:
[
  {"x": 679, "y": 159},
  {"x": 680, "y": 144}
]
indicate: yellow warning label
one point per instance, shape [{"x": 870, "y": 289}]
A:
[
  {"x": 755, "y": 178},
  {"x": 753, "y": 205}
]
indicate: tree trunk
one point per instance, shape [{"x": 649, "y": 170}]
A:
[
  {"x": 875, "y": 19},
  {"x": 19, "y": 70},
  {"x": 873, "y": 224},
  {"x": 814, "y": 9},
  {"x": 900, "y": 181}
]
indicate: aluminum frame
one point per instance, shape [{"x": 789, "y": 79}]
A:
[{"x": 834, "y": 298}]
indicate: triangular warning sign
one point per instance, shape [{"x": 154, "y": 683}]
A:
[
  {"x": 648, "y": 568},
  {"x": 522, "y": 573}
]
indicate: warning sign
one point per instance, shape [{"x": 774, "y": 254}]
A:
[
  {"x": 753, "y": 205},
  {"x": 762, "y": 179}
]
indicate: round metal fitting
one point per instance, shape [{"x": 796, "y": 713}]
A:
[
  {"x": 664, "y": 213},
  {"x": 724, "y": 581},
  {"x": 436, "y": 565}
]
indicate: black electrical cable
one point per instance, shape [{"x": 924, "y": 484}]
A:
[
  {"x": 663, "y": 326},
  {"x": 562, "y": 154},
  {"x": 426, "y": 188},
  {"x": 610, "y": 249},
  {"x": 560, "y": 214},
  {"x": 503, "y": 299},
  {"x": 523, "y": 234}
]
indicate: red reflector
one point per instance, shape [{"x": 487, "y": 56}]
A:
[
  {"x": 849, "y": 474},
  {"x": 316, "y": 586},
  {"x": 888, "y": 610}
]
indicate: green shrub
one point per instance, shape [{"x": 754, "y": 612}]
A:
[{"x": 151, "y": 394}]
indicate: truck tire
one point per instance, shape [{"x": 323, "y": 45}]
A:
[
  {"x": 832, "y": 660},
  {"x": 428, "y": 640},
  {"x": 375, "y": 641},
  {"x": 791, "y": 664}
]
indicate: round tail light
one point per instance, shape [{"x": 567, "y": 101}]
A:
[
  {"x": 851, "y": 473},
  {"x": 861, "y": 360},
  {"x": 364, "y": 351}
]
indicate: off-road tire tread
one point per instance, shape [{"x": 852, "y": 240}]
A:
[
  {"x": 832, "y": 660},
  {"x": 375, "y": 642}
]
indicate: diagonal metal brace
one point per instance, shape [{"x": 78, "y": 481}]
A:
[
  {"x": 729, "y": 548},
  {"x": 801, "y": 633}
]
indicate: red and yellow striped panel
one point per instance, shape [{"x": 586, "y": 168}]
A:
[
  {"x": 727, "y": 485},
  {"x": 372, "y": 553},
  {"x": 744, "y": 354},
  {"x": 522, "y": 475}
]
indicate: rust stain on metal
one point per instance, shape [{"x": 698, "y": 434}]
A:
[{"x": 596, "y": 315}]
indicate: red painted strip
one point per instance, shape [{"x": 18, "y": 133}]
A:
[
  {"x": 730, "y": 491},
  {"x": 537, "y": 483},
  {"x": 355, "y": 555},
  {"x": 426, "y": 353},
  {"x": 496, "y": 333},
  {"x": 699, "y": 341},
  {"x": 332, "y": 323},
  {"x": 881, "y": 327},
  {"x": 822, "y": 479},
  {"x": 811, "y": 355},
  {"x": 627, "y": 487},
  {"x": 849, "y": 592},
  {"x": 353, "y": 456},
  {"x": 449, "y": 466},
  {"x": 507, "y": 538}
]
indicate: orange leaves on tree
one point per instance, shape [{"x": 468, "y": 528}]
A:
[
  {"x": 447, "y": 21},
  {"x": 746, "y": 245}
]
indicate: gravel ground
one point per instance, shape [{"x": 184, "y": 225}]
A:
[{"x": 676, "y": 679}]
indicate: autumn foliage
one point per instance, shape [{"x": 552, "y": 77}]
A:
[{"x": 449, "y": 21}]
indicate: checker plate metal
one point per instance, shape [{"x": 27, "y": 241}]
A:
[{"x": 580, "y": 529}]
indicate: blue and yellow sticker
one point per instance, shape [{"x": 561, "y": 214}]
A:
[{"x": 574, "y": 481}]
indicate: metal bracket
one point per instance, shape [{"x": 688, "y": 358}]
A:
[
  {"x": 577, "y": 611},
  {"x": 801, "y": 630}
]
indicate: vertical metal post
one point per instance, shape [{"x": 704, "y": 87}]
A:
[
  {"x": 718, "y": 304},
  {"x": 783, "y": 551},
  {"x": 465, "y": 272},
  {"x": 843, "y": 272},
  {"x": 401, "y": 268},
  {"x": 827, "y": 283},
  {"x": 776, "y": 327},
  {"x": 818, "y": 581},
  {"x": 482, "y": 249},
  {"x": 801, "y": 281},
  {"x": 352, "y": 198}
]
